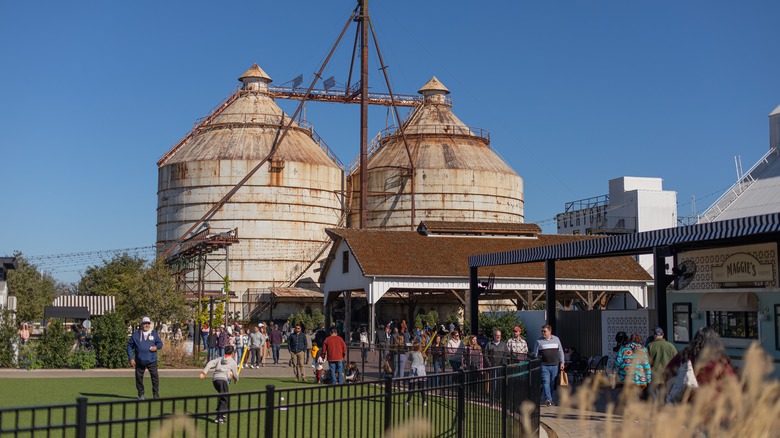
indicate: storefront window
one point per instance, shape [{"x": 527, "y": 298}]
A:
[
  {"x": 681, "y": 314},
  {"x": 741, "y": 325}
]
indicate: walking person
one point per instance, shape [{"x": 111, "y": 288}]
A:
[
  {"x": 518, "y": 347},
  {"x": 255, "y": 341},
  {"x": 309, "y": 344},
  {"x": 633, "y": 365},
  {"x": 225, "y": 370},
  {"x": 550, "y": 350},
  {"x": 496, "y": 355},
  {"x": 335, "y": 351},
  {"x": 242, "y": 345},
  {"x": 276, "y": 338},
  {"x": 297, "y": 343},
  {"x": 213, "y": 342},
  {"x": 399, "y": 356},
  {"x": 142, "y": 347},
  {"x": 24, "y": 334},
  {"x": 661, "y": 353},
  {"x": 205, "y": 331},
  {"x": 438, "y": 356},
  {"x": 222, "y": 340},
  {"x": 455, "y": 350},
  {"x": 417, "y": 369}
]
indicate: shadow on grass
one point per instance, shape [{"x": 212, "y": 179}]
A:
[{"x": 97, "y": 394}]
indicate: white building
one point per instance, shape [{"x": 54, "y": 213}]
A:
[{"x": 634, "y": 204}]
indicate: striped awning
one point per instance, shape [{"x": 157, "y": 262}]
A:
[
  {"x": 97, "y": 305},
  {"x": 739, "y": 230}
]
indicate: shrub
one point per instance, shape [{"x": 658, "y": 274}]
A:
[
  {"x": 110, "y": 340},
  {"x": 28, "y": 357},
  {"x": 55, "y": 345},
  {"x": 82, "y": 358},
  {"x": 8, "y": 336},
  {"x": 504, "y": 321},
  {"x": 176, "y": 356},
  {"x": 431, "y": 318},
  {"x": 308, "y": 321}
]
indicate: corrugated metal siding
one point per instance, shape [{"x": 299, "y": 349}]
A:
[
  {"x": 97, "y": 305},
  {"x": 581, "y": 330}
]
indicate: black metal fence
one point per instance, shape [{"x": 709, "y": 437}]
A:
[{"x": 501, "y": 402}]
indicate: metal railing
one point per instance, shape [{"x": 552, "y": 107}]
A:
[{"x": 483, "y": 403}]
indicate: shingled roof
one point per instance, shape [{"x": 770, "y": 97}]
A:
[
  {"x": 477, "y": 228},
  {"x": 410, "y": 254}
]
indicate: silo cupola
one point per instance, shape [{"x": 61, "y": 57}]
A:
[
  {"x": 255, "y": 79},
  {"x": 434, "y": 91}
]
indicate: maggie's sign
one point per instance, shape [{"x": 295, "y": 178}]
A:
[{"x": 742, "y": 267}]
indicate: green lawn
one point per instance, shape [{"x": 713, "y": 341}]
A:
[
  {"x": 305, "y": 413},
  {"x": 49, "y": 391}
]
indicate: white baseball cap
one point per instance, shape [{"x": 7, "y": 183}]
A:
[{"x": 145, "y": 319}]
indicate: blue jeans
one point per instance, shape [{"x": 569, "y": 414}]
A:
[
  {"x": 212, "y": 353},
  {"x": 204, "y": 338},
  {"x": 240, "y": 352},
  {"x": 275, "y": 352},
  {"x": 336, "y": 367},
  {"x": 549, "y": 373},
  {"x": 438, "y": 367},
  {"x": 399, "y": 363}
]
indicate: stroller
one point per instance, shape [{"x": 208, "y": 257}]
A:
[{"x": 352, "y": 374}]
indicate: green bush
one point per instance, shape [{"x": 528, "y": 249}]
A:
[
  {"x": 308, "y": 321},
  {"x": 109, "y": 339},
  {"x": 28, "y": 356},
  {"x": 8, "y": 336},
  {"x": 431, "y": 318},
  {"x": 504, "y": 321},
  {"x": 55, "y": 345},
  {"x": 82, "y": 358}
]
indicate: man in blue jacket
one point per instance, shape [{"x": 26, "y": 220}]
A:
[{"x": 142, "y": 351}]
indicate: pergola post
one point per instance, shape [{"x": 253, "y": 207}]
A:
[
  {"x": 661, "y": 280},
  {"x": 474, "y": 299},
  {"x": 549, "y": 274}
]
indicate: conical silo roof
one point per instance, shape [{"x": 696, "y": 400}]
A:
[
  {"x": 246, "y": 129},
  {"x": 280, "y": 212},
  {"x": 457, "y": 176}
]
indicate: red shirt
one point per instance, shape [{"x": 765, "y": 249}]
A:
[{"x": 335, "y": 348}]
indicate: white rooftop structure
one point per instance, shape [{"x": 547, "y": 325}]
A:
[{"x": 758, "y": 191}]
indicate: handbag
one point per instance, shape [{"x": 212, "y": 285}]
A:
[
  {"x": 684, "y": 382},
  {"x": 564, "y": 379}
]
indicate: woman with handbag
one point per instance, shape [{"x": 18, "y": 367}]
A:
[{"x": 707, "y": 358}]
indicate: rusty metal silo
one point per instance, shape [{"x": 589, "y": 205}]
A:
[
  {"x": 280, "y": 212},
  {"x": 457, "y": 176}
]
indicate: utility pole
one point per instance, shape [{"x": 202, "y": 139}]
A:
[{"x": 363, "y": 111}]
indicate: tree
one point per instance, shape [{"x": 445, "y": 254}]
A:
[
  {"x": 8, "y": 336},
  {"x": 308, "y": 321},
  {"x": 110, "y": 340},
  {"x": 504, "y": 321},
  {"x": 55, "y": 345},
  {"x": 152, "y": 292},
  {"x": 33, "y": 289},
  {"x": 113, "y": 277}
]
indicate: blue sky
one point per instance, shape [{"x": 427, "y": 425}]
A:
[{"x": 573, "y": 93}]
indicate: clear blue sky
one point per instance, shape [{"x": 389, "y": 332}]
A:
[{"x": 573, "y": 93}]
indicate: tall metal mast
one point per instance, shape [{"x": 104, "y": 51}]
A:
[{"x": 363, "y": 111}]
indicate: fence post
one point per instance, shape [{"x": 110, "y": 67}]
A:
[
  {"x": 461, "y": 412},
  {"x": 81, "y": 417},
  {"x": 270, "y": 405},
  {"x": 504, "y": 400},
  {"x": 388, "y": 403}
]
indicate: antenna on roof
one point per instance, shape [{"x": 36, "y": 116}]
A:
[
  {"x": 297, "y": 81},
  {"x": 329, "y": 83}
]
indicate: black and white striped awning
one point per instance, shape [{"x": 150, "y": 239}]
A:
[
  {"x": 97, "y": 305},
  {"x": 733, "y": 231}
]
